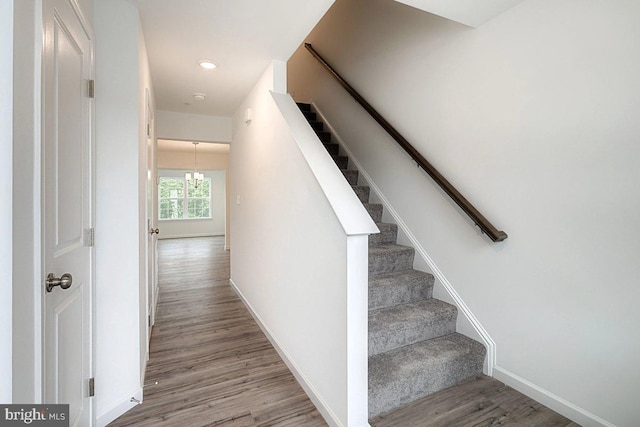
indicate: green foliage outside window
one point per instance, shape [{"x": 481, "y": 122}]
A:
[{"x": 180, "y": 199}]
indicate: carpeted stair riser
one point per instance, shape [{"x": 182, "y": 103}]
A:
[
  {"x": 375, "y": 211},
  {"x": 409, "y": 373},
  {"x": 341, "y": 161},
  {"x": 362, "y": 191},
  {"x": 414, "y": 350},
  {"x": 406, "y": 324},
  {"x": 317, "y": 126},
  {"x": 333, "y": 149},
  {"x": 388, "y": 234},
  {"x": 325, "y": 137},
  {"x": 351, "y": 176},
  {"x": 388, "y": 258},
  {"x": 399, "y": 287}
]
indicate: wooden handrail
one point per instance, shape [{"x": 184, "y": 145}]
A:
[{"x": 479, "y": 219}]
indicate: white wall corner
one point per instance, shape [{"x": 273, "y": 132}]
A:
[
  {"x": 6, "y": 187},
  {"x": 279, "y": 76},
  {"x": 357, "y": 330}
]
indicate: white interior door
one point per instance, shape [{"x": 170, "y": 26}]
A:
[
  {"x": 67, "y": 216},
  {"x": 152, "y": 210}
]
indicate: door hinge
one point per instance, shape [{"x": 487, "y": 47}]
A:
[
  {"x": 90, "y": 237},
  {"x": 92, "y": 387},
  {"x": 148, "y": 130},
  {"x": 91, "y": 88},
  {"x": 149, "y": 317}
]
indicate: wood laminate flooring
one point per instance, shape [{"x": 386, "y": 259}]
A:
[
  {"x": 479, "y": 402},
  {"x": 214, "y": 366}
]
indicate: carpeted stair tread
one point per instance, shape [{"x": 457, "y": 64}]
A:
[
  {"x": 406, "y": 324},
  {"x": 333, "y": 149},
  {"x": 375, "y": 211},
  {"x": 311, "y": 117},
  {"x": 341, "y": 161},
  {"x": 362, "y": 191},
  {"x": 303, "y": 106},
  {"x": 418, "y": 370},
  {"x": 316, "y": 125},
  {"x": 324, "y": 136},
  {"x": 399, "y": 287},
  {"x": 351, "y": 175},
  {"x": 388, "y": 258},
  {"x": 388, "y": 234}
]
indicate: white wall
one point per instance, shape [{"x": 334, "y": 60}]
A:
[
  {"x": 290, "y": 248},
  {"x": 215, "y": 226},
  {"x": 6, "y": 184},
  {"x": 533, "y": 117},
  {"x": 118, "y": 224},
  {"x": 192, "y": 127},
  {"x": 26, "y": 198}
]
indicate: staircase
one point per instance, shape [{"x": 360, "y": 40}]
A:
[{"x": 414, "y": 349}]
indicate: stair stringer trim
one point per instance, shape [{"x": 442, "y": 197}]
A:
[{"x": 488, "y": 342}]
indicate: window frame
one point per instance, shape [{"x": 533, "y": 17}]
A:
[{"x": 178, "y": 175}]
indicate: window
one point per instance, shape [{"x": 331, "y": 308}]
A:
[{"x": 179, "y": 199}]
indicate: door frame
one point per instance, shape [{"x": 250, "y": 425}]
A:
[{"x": 6, "y": 211}]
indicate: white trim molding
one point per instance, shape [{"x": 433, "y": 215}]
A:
[
  {"x": 120, "y": 408},
  {"x": 555, "y": 402}
]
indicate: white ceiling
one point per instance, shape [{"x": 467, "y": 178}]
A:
[
  {"x": 240, "y": 36},
  {"x": 468, "y": 12}
]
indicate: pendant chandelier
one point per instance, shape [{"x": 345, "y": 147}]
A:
[{"x": 195, "y": 176}]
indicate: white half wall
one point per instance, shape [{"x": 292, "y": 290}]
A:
[
  {"x": 533, "y": 117},
  {"x": 192, "y": 127},
  {"x": 299, "y": 264},
  {"x": 6, "y": 189},
  {"x": 118, "y": 224}
]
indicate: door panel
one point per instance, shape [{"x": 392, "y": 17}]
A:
[
  {"x": 69, "y": 151},
  {"x": 67, "y": 216}
]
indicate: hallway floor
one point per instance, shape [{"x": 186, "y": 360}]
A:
[{"x": 214, "y": 366}]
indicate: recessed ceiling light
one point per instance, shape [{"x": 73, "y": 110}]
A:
[
  {"x": 207, "y": 64},
  {"x": 199, "y": 96}
]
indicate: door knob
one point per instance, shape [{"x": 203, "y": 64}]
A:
[
  {"x": 64, "y": 281},
  {"x": 154, "y": 231}
]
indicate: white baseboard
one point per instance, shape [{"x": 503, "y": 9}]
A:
[
  {"x": 186, "y": 236},
  {"x": 489, "y": 344},
  {"x": 550, "y": 400},
  {"x": 119, "y": 409},
  {"x": 313, "y": 394}
]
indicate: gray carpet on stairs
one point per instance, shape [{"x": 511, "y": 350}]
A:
[{"x": 414, "y": 349}]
